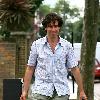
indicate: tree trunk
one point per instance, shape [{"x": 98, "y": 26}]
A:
[{"x": 89, "y": 40}]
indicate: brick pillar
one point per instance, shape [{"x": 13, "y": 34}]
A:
[{"x": 22, "y": 51}]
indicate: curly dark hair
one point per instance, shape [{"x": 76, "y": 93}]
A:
[{"x": 52, "y": 17}]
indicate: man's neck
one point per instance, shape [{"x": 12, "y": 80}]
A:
[
  {"x": 53, "y": 42},
  {"x": 53, "y": 39}
]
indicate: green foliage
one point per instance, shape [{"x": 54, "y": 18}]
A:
[
  {"x": 78, "y": 30},
  {"x": 35, "y": 5},
  {"x": 62, "y": 7},
  {"x": 42, "y": 32},
  {"x": 44, "y": 10},
  {"x": 4, "y": 33}
]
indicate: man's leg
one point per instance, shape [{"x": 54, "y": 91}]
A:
[
  {"x": 38, "y": 97},
  {"x": 65, "y": 97}
]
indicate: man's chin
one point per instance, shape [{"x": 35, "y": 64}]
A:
[{"x": 54, "y": 34}]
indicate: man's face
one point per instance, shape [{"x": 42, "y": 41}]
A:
[{"x": 52, "y": 28}]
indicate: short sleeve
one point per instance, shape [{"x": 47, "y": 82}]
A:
[
  {"x": 33, "y": 55},
  {"x": 71, "y": 58}
]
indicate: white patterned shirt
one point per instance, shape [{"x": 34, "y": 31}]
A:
[{"x": 51, "y": 68}]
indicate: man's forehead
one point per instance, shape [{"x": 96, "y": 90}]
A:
[{"x": 53, "y": 23}]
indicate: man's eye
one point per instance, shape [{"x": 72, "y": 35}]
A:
[
  {"x": 50, "y": 26},
  {"x": 55, "y": 25}
]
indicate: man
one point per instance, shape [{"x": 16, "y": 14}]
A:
[{"x": 50, "y": 58}]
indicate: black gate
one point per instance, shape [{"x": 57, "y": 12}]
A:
[{"x": 12, "y": 89}]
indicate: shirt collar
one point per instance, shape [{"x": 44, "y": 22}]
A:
[{"x": 61, "y": 42}]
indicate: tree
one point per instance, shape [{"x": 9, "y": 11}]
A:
[
  {"x": 35, "y": 4},
  {"x": 44, "y": 10},
  {"x": 17, "y": 15},
  {"x": 98, "y": 39},
  {"x": 88, "y": 49}
]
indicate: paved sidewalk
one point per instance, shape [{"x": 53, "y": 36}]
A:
[{"x": 73, "y": 96}]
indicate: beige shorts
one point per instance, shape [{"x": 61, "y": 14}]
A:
[{"x": 42, "y": 97}]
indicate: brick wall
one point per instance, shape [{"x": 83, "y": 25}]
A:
[{"x": 7, "y": 62}]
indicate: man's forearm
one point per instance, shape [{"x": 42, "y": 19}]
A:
[
  {"x": 27, "y": 79},
  {"x": 78, "y": 78}
]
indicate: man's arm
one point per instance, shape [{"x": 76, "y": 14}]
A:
[
  {"x": 77, "y": 76},
  {"x": 27, "y": 79}
]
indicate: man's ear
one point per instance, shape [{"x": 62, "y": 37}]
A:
[
  {"x": 60, "y": 28},
  {"x": 45, "y": 29}
]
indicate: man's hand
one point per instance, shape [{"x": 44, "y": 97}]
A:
[
  {"x": 83, "y": 96},
  {"x": 23, "y": 96}
]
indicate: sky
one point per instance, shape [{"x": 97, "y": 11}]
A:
[{"x": 78, "y": 3}]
